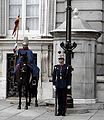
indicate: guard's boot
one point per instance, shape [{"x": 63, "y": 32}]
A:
[{"x": 19, "y": 107}]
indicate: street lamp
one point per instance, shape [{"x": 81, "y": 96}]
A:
[{"x": 68, "y": 47}]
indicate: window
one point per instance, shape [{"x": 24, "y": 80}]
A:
[
  {"x": 15, "y": 8},
  {"x": 29, "y": 16},
  {"x": 32, "y": 14}
]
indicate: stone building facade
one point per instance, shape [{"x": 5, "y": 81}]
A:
[{"x": 47, "y": 16}]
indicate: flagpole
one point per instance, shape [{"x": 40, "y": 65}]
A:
[
  {"x": 15, "y": 30},
  {"x": 17, "y": 34},
  {"x": 15, "y": 47}
]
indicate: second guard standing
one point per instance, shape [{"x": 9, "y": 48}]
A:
[{"x": 61, "y": 83}]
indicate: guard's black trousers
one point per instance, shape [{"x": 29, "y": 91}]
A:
[{"x": 62, "y": 100}]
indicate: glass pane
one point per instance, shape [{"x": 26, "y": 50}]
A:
[
  {"x": 14, "y": 10},
  {"x": 32, "y": 1},
  {"x": 32, "y": 24},
  {"x": 32, "y": 10},
  {"x": 15, "y": 1},
  {"x": 32, "y": 14}
]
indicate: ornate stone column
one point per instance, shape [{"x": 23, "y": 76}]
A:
[{"x": 47, "y": 16}]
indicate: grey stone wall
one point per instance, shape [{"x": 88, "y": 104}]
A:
[
  {"x": 92, "y": 12},
  {"x": 84, "y": 75}
]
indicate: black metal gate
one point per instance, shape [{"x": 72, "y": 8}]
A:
[{"x": 12, "y": 90}]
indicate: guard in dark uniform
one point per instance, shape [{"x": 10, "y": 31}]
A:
[
  {"x": 60, "y": 84},
  {"x": 25, "y": 49}
]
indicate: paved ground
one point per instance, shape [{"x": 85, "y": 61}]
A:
[{"x": 9, "y": 111}]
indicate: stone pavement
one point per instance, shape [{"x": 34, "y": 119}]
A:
[{"x": 9, "y": 111}]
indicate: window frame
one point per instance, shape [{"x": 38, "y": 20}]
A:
[{"x": 23, "y": 31}]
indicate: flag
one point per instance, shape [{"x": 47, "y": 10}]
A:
[{"x": 16, "y": 25}]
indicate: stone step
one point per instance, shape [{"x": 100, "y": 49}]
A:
[{"x": 77, "y": 109}]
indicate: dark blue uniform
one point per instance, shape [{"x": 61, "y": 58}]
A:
[
  {"x": 29, "y": 55},
  {"x": 61, "y": 81},
  {"x": 33, "y": 67}
]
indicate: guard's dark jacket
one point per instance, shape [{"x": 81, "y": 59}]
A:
[
  {"x": 33, "y": 67},
  {"x": 60, "y": 76}
]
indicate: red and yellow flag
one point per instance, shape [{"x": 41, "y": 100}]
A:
[{"x": 16, "y": 25}]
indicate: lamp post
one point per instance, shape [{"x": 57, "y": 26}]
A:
[
  {"x": 68, "y": 47},
  {"x": 69, "y": 51},
  {"x": 68, "y": 32}
]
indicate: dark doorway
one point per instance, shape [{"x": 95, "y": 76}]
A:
[{"x": 11, "y": 87}]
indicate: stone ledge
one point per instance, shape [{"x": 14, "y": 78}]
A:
[{"x": 76, "y": 101}]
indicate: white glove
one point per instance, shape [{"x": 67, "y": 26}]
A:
[
  {"x": 54, "y": 87},
  {"x": 68, "y": 87}
]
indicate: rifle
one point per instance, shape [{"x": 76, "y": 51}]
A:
[{"x": 55, "y": 100}]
